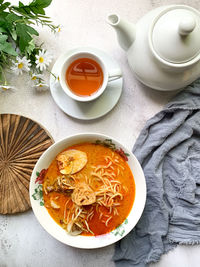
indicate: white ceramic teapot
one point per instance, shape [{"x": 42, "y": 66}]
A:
[{"x": 163, "y": 48}]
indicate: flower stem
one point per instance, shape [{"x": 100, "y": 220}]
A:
[
  {"x": 52, "y": 73},
  {"x": 4, "y": 76}
]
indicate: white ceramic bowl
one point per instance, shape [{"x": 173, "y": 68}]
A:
[{"x": 53, "y": 228}]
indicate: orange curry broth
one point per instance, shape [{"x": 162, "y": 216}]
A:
[{"x": 95, "y": 154}]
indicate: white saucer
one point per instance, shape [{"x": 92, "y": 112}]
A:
[{"x": 90, "y": 110}]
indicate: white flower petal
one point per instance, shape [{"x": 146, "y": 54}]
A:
[
  {"x": 46, "y": 59},
  {"x": 41, "y": 87},
  {"x": 20, "y": 65},
  {"x": 35, "y": 76},
  {"x": 4, "y": 88}
]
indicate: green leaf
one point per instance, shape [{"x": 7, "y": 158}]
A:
[
  {"x": 46, "y": 21},
  {"x": 23, "y": 27},
  {"x": 25, "y": 33},
  {"x": 30, "y": 49},
  {"x": 2, "y": 29},
  {"x": 3, "y": 22},
  {"x": 7, "y": 48},
  {"x": 11, "y": 20},
  {"x": 31, "y": 30},
  {"x": 34, "y": 197},
  {"x": 40, "y": 194},
  {"x": 21, "y": 4},
  {"x": 24, "y": 39},
  {"x": 1, "y": 1},
  {"x": 40, "y": 3},
  {"x": 35, "y": 7},
  {"x": 3, "y": 38},
  {"x": 13, "y": 34},
  {"x": 37, "y": 173},
  {"x": 44, "y": 16},
  {"x": 13, "y": 17},
  {"x": 122, "y": 232},
  {"x": 4, "y": 6}
]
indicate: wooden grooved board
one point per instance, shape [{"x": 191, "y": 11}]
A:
[{"x": 22, "y": 142}]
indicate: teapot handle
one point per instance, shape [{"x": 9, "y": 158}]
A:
[{"x": 186, "y": 26}]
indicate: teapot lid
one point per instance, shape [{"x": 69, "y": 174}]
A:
[{"x": 175, "y": 34}]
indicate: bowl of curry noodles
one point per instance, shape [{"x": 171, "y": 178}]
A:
[{"x": 88, "y": 190}]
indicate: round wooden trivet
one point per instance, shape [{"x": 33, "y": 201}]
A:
[{"x": 22, "y": 142}]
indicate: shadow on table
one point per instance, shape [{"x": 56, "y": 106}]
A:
[
  {"x": 91, "y": 121},
  {"x": 157, "y": 96}
]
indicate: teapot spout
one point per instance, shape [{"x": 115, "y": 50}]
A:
[{"x": 125, "y": 30}]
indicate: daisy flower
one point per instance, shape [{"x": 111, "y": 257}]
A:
[
  {"x": 58, "y": 29},
  {"x": 4, "y": 88},
  {"x": 43, "y": 59},
  {"x": 36, "y": 76},
  {"x": 20, "y": 65},
  {"x": 41, "y": 87}
]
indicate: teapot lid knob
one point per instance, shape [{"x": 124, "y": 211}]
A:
[
  {"x": 187, "y": 25},
  {"x": 175, "y": 35}
]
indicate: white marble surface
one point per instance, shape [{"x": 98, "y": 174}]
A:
[{"x": 23, "y": 242}]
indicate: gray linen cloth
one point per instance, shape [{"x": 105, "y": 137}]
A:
[{"x": 168, "y": 149}]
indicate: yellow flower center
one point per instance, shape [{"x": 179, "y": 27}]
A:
[
  {"x": 20, "y": 65},
  {"x": 40, "y": 85},
  {"x": 41, "y": 59},
  {"x": 4, "y": 88},
  {"x": 33, "y": 78},
  {"x": 59, "y": 29}
]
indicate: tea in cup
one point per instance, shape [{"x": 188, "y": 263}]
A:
[{"x": 84, "y": 76}]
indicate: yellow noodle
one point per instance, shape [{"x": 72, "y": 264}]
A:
[
  {"x": 95, "y": 174},
  {"x": 103, "y": 167},
  {"x": 100, "y": 216},
  {"x": 108, "y": 220},
  {"x": 88, "y": 228},
  {"x": 78, "y": 211},
  {"x": 65, "y": 207},
  {"x": 115, "y": 211},
  {"x": 91, "y": 216},
  {"x": 106, "y": 160},
  {"x": 115, "y": 181},
  {"x": 117, "y": 194},
  {"x": 108, "y": 174},
  {"x": 115, "y": 162},
  {"x": 116, "y": 204}
]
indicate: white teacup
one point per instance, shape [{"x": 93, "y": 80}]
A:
[{"x": 108, "y": 76}]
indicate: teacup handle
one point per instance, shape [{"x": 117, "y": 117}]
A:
[{"x": 114, "y": 75}]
